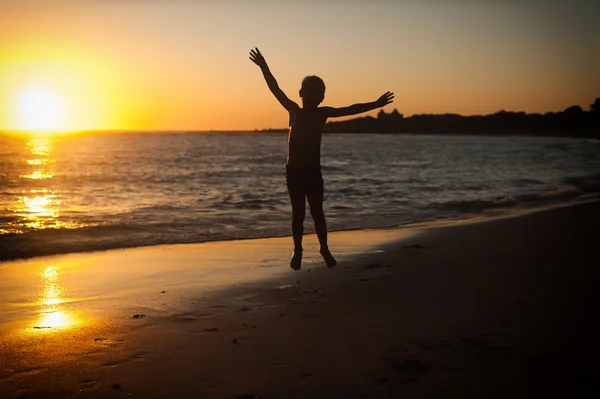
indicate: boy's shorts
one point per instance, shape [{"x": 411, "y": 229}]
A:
[{"x": 304, "y": 182}]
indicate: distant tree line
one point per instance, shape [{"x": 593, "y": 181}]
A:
[{"x": 573, "y": 121}]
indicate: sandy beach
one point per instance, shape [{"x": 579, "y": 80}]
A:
[{"x": 501, "y": 307}]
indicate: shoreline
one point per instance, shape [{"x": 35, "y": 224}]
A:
[
  {"x": 489, "y": 308},
  {"x": 9, "y": 255}
]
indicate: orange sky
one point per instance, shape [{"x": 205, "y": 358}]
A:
[{"x": 184, "y": 65}]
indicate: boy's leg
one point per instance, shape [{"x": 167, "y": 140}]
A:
[
  {"x": 297, "y": 199},
  {"x": 298, "y": 214},
  {"x": 315, "y": 202}
]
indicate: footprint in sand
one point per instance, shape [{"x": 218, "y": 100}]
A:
[
  {"x": 135, "y": 357},
  {"x": 312, "y": 291},
  {"x": 415, "y": 246},
  {"x": 410, "y": 368},
  {"x": 105, "y": 342},
  {"x": 280, "y": 364},
  {"x": 88, "y": 385},
  {"x": 241, "y": 327},
  {"x": 182, "y": 319},
  {"x": 377, "y": 266}
]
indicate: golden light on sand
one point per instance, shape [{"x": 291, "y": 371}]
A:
[
  {"x": 53, "y": 315},
  {"x": 54, "y": 319},
  {"x": 40, "y": 108}
]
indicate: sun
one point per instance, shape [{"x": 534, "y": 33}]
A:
[{"x": 40, "y": 108}]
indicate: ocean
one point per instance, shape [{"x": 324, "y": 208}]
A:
[{"x": 85, "y": 192}]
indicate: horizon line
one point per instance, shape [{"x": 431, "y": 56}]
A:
[{"x": 268, "y": 129}]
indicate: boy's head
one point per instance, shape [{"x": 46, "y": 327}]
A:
[{"x": 312, "y": 91}]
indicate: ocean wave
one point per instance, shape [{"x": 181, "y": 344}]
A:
[
  {"x": 161, "y": 208},
  {"x": 526, "y": 182},
  {"x": 579, "y": 186},
  {"x": 120, "y": 236},
  {"x": 589, "y": 183}
]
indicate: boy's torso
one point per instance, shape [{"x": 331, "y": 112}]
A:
[{"x": 304, "y": 139}]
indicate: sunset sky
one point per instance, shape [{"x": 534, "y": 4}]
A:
[{"x": 183, "y": 64}]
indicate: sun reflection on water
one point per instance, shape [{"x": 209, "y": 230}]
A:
[
  {"x": 37, "y": 162},
  {"x": 53, "y": 315},
  {"x": 40, "y": 147},
  {"x": 39, "y": 175},
  {"x": 39, "y": 207}
]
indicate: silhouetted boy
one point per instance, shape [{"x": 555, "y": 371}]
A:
[{"x": 303, "y": 166}]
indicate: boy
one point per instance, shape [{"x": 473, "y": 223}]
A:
[{"x": 303, "y": 166}]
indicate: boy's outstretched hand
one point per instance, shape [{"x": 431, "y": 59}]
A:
[
  {"x": 385, "y": 99},
  {"x": 257, "y": 58}
]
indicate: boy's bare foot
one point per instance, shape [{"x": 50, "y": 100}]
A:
[
  {"x": 296, "y": 261},
  {"x": 328, "y": 258}
]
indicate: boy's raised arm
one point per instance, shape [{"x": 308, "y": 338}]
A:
[
  {"x": 354, "y": 109},
  {"x": 258, "y": 59}
]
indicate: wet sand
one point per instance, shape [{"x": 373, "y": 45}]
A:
[{"x": 493, "y": 308}]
